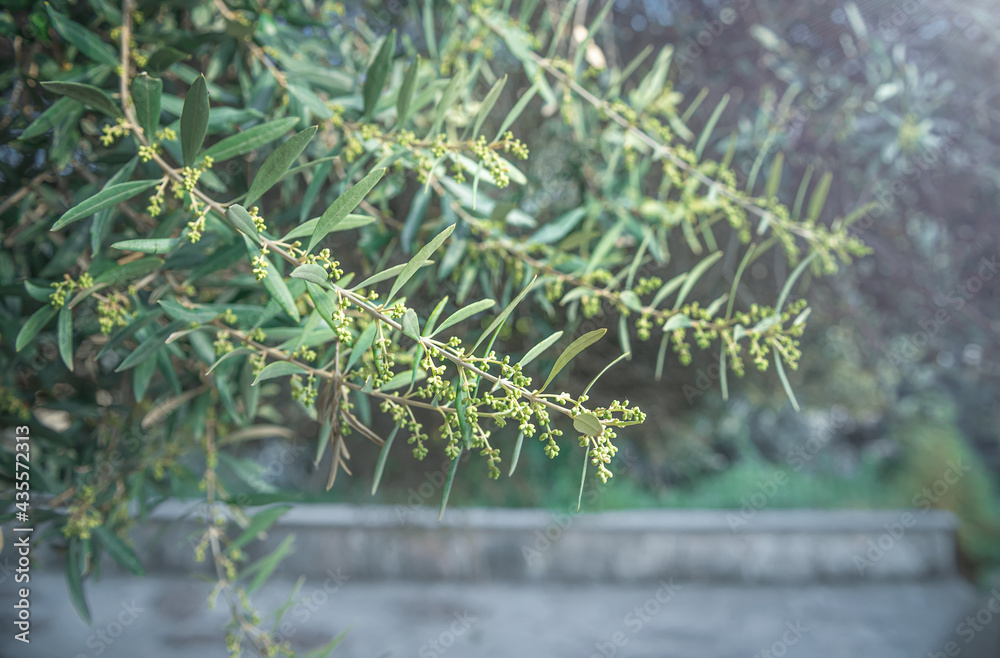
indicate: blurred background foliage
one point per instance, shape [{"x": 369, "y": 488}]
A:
[{"x": 898, "y": 100}]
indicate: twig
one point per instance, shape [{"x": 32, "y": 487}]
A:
[{"x": 254, "y": 48}]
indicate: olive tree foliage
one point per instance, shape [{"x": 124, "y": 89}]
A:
[{"x": 212, "y": 195}]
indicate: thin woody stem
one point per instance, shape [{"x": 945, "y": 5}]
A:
[
  {"x": 278, "y": 355},
  {"x": 658, "y": 147},
  {"x": 513, "y": 249},
  {"x": 257, "y": 51},
  {"x": 362, "y": 303}
]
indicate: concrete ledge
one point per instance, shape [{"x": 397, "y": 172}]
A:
[
  {"x": 550, "y": 620},
  {"x": 386, "y": 542}
]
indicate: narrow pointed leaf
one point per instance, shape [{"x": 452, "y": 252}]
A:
[
  {"x": 37, "y": 292},
  {"x": 661, "y": 356},
  {"x": 431, "y": 320},
  {"x": 402, "y": 379},
  {"x": 461, "y": 410},
  {"x": 274, "y": 283},
  {"x": 539, "y": 348},
  {"x": 85, "y": 41},
  {"x": 164, "y": 58},
  {"x": 119, "y": 550},
  {"x": 324, "y": 301},
  {"x": 148, "y": 245},
  {"x": 377, "y": 73},
  {"x": 344, "y": 204},
  {"x": 263, "y": 568},
  {"x": 278, "y": 369},
  {"x": 694, "y": 275},
  {"x": 313, "y": 273},
  {"x": 583, "y": 477},
  {"x": 362, "y": 345},
  {"x": 411, "y": 325},
  {"x": 792, "y": 278},
  {"x": 679, "y": 321},
  {"x": 323, "y": 440},
  {"x": 465, "y": 312},
  {"x": 606, "y": 368},
  {"x": 65, "y": 331},
  {"x": 736, "y": 279},
  {"x": 418, "y": 261},
  {"x": 706, "y": 133},
  {"x": 102, "y": 219},
  {"x": 35, "y": 323},
  {"x": 449, "y": 482},
  {"x": 194, "y": 120},
  {"x": 74, "y": 578},
  {"x": 631, "y": 300},
  {"x": 278, "y": 163},
  {"x": 500, "y": 319},
  {"x": 818, "y": 198},
  {"x": 587, "y": 424},
  {"x": 384, "y": 275},
  {"x": 418, "y": 208},
  {"x": 89, "y": 95},
  {"x": 383, "y": 456},
  {"x": 241, "y": 219},
  {"x": 54, "y": 116},
  {"x": 517, "y": 110},
  {"x": 577, "y": 346},
  {"x": 148, "y": 348},
  {"x": 279, "y": 291},
  {"x": 309, "y": 226},
  {"x": 665, "y": 291},
  {"x": 623, "y": 337},
  {"x": 260, "y": 522},
  {"x": 516, "y": 455},
  {"x": 448, "y": 98},
  {"x": 774, "y": 176},
  {"x": 250, "y": 139},
  {"x": 106, "y": 198},
  {"x": 122, "y": 274},
  {"x": 784, "y": 380},
  {"x": 146, "y": 94},
  {"x": 557, "y": 230},
  {"x": 491, "y": 99},
  {"x": 405, "y": 96},
  {"x": 801, "y": 194}
]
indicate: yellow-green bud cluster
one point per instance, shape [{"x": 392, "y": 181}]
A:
[
  {"x": 222, "y": 344},
  {"x": 112, "y": 312},
  {"x": 260, "y": 263},
  {"x": 62, "y": 288},
  {"x": 304, "y": 393},
  {"x": 112, "y": 132}
]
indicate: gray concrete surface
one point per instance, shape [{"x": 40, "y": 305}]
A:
[
  {"x": 551, "y": 620},
  {"x": 525, "y": 545},
  {"x": 492, "y": 583}
]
